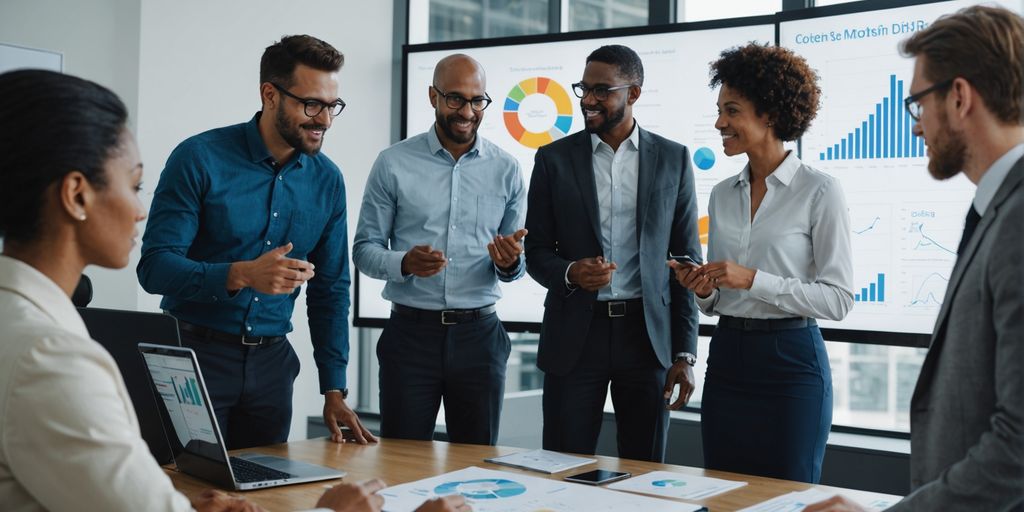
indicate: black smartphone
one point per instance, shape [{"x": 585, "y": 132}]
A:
[
  {"x": 598, "y": 477},
  {"x": 685, "y": 259}
]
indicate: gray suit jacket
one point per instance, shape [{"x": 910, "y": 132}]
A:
[
  {"x": 967, "y": 411},
  {"x": 564, "y": 224}
]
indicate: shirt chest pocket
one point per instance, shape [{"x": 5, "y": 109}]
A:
[
  {"x": 305, "y": 231},
  {"x": 489, "y": 212}
]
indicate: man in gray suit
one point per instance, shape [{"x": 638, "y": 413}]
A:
[
  {"x": 967, "y": 411},
  {"x": 606, "y": 206}
]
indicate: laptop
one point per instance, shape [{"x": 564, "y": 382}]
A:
[
  {"x": 120, "y": 333},
  {"x": 196, "y": 440}
]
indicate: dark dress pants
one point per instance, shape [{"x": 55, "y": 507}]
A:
[
  {"x": 767, "y": 404},
  {"x": 617, "y": 350},
  {"x": 250, "y": 388},
  {"x": 424, "y": 362}
]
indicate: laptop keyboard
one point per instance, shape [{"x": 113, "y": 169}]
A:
[{"x": 246, "y": 471}]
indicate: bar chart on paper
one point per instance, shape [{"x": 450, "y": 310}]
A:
[{"x": 885, "y": 132}]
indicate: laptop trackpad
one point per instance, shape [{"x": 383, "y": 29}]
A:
[{"x": 296, "y": 468}]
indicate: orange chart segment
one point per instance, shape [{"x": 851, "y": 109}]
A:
[{"x": 563, "y": 111}]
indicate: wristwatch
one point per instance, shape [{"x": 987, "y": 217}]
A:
[
  {"x": 685, "y": 356},
  {"x": 344, "y": 392}
]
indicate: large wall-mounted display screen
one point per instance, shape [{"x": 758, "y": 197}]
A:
[
  {"x": 531, "y": 85},
  {"x": 905, "y": 225}
]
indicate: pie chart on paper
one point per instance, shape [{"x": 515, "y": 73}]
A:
[{"x": 482, "y": 489}]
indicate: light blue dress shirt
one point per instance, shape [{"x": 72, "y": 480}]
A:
[
  {"x": 616, "y": 175},
  {"x": 418, "y": 194},
  {"x": 993, "y": 178}
]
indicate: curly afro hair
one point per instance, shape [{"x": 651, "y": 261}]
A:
[{"x": 777, "y": 81}]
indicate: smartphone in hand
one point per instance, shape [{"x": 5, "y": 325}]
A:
[{"x": 685, "y": 259}]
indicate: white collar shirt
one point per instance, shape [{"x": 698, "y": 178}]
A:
[{"x": 798, "y": 242}]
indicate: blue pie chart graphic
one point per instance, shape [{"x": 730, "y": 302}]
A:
[
  {"x": 704, "y": 158},
  {"x": 668, "y": 483},
  {"x": 482, "y": 489}
]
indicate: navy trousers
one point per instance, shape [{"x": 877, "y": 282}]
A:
[
  {"x": 424, "y": 362},
  {"x": 617, "y": 351},
  {"x": 250, "y": 388},
  {"x": 767, "y": 404}
]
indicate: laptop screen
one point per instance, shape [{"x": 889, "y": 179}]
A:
[
  {"x": 191, "y": 426},
  {"x": 176, "y": 383}
]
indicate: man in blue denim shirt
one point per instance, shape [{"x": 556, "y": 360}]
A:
[
  {"x": 441, "y": 223},
  {"x": 241, "y": 218}
]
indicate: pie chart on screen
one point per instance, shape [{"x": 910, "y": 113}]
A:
[
  {"x": 704, "y": 158},
  {"x": 537, "y": 111}
]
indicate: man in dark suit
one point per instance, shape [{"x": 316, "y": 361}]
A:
[
  {"x": 967, "y": 411},
  {"x": 606, "y": 206}
]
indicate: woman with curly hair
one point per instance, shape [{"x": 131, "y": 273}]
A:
[{"x": 779, "y": 258}]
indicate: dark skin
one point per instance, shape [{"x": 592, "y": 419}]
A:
[
  {"x": 743, "y": 131},
  {"x": 460, "y": 75},
  {"x": 595, "y": 273}
]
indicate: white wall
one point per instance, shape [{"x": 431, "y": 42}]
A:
[
  {"x": 99, "y": 40},
  {"x": 199, "y": 69}
]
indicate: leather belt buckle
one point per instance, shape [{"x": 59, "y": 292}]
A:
[
  {"x": 616, "y": 309},
  {"x": 256, "y": 344},
  {"x": 444, "y": 317},
  {"x": 748, "y": 324}
]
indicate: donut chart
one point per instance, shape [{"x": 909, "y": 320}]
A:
[
  {"x": 482, "y": 489},
  {"x": 563, "y": 106},
  {"x": 668, "y": 483}
]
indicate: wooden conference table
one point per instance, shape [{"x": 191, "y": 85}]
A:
[{"x": 400, "y": 461}]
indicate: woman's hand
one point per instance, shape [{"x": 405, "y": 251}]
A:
[
  {"x": 690, "y": 277},
  {"x": 726, "y": 274}
]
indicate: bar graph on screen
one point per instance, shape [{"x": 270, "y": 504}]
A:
[
  {"x": 885, "y": 132},
  {"x": 873, "y": 292}
]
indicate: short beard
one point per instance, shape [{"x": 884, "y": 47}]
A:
[
  {"x": 445, "y": 124},
  {"x": 949, "y": 151},
  {"x": 611, "y": 120},
  {"x": 293, "y": 135}
]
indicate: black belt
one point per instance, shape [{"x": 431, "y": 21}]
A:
[
  {"x": 766, "y": 324},
  {"x": 618, "y": 308},
  {"x": 445, "y": 317},
  {"x": 207, "y": 334}
]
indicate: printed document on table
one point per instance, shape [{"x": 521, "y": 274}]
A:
[
  {"x": 501, "y": 491},
  {"x": 796, "y": 501},
  {"x": 677, "y": 485},
  {"x": 541, "y": 460}
]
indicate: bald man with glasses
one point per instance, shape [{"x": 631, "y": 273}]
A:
[{"x": 441, "y": 223}]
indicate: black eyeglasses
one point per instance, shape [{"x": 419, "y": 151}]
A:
[
  {"x": 456, "y": 101},
  {"x": 600, "y": 92},
  {"x": 312, "y": 107},
  {"x": 913, "y": 103}
]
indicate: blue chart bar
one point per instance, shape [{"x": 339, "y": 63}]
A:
[
  {"x": 874, "y": 292},
  {"x": 886, "y": 133}
]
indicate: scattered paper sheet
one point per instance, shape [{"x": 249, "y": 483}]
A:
[
  {"x": 541, "y": 460},
  {"x": 796, "y": 501},
  {"x": 499, "y": 491},
  {"x": 677, "y": 485}
]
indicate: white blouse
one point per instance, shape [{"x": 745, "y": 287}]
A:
[
  {"x": 798, "y": 242},
  {"x": 69, "y": 439}
]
